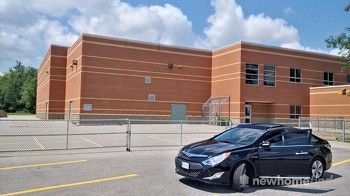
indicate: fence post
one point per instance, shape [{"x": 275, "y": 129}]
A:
[
  {"x": 318, "y": 123},
  {"x": 181, "y": 133},
  {"x": 299, "y": 122},
  {"x": 128, "y": 136},
  {"x": 67, "y": 136},
  {"x": 343, "y": 131}
]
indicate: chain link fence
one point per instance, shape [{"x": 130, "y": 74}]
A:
[
  {"x": 335, "y": 128},
  {"x": 40, "y": 135}
]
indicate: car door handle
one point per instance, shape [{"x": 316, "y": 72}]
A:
[{"x": 301, "y": 153}]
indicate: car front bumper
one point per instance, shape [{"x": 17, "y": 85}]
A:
[{"x": 208, "y": 174}]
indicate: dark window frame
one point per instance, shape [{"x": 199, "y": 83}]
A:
[
  {"x": 328, "y": 78},
  {"x": 252, "y": 78},
  {"x": 295, "y": 75},
  {"x": 268, "y": 78},
  {"x": 293, "y": 111}
]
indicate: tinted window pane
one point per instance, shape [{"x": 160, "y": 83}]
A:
[
  {"x": 296, "y": 138},
  {"x": 251, "y": 81},
  {"x": 298, "y": 109},
  {"x": 251, "y": 75},
  {"x": 298, "y": 73},
  {"x": 276, "y": 141},
  {"x": 325, "y": 76},
  {"x": 292, "y": 73},
  {"x": 269, "y": 83},
  {"x": 348, "y": 79},
  {"x": 251, "y": 66},
  {"x": 291, "y": 109},
  {"x": 251, "y": 71}
]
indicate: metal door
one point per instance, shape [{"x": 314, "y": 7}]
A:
[{"x": 178, "y": 111}]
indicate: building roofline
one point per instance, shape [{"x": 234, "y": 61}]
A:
[
  {"x": 203, "y": 50},
  {"x": 57, "y": 45},
  {"x": 325, "y": 87},
  {"x": 275, "y": 47},
  {"x": 145, "y": 42}
]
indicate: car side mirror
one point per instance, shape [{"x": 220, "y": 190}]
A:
[{"x": 265, "y": 144}]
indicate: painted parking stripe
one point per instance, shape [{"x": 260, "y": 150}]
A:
[
  {"x": 38, "y": 143},
  {"x": 159, "y": 138},
  {"x": 341, "y": 162},
  {"x": 95, "y": 143},
  {"x": 41, "y": 164},
  {"x": 69, "y": 185}
]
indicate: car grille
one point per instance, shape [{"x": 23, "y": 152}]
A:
[
  {"x": 193, "y": 173},
  {"x": 195, "y": 168}
]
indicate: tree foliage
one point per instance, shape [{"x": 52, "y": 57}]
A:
[
  {"x": 342, "y": 43},
  {"x": 18, "y": 89}
]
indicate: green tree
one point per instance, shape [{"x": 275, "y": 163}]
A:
[
  {"x": 342, "y": 43},
  {"x": 18, "y": 89}
]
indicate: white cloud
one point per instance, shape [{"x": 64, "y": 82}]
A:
[
  {"x": 288, "y": 11},
  {"x": 164, "y": 24},
  {"x": 28, "y": 27},
  {"x": 228, "y": 24}
]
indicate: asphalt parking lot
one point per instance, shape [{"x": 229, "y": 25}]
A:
[
  {"x": 34, "y": 135},
  {"x": 144, "y": 171}
]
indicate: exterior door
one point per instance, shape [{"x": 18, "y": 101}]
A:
[
  {"x": 178, "y": 111},
  {"x": 289, "y": 149},
  {"x": 247, "y": 113}
]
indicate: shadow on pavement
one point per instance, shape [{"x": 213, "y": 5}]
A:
[{"x": 251, "y": 189}]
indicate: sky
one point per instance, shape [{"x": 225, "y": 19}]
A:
[{"x": 28, "y": 27}]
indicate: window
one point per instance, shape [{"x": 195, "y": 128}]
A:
[
  {"x": 152, "y": 97},
  {"x": 276, "y": 141},
  {"x": 295, "y": 111},
  {"x": 295, "y": 75},
  {"x": 348, "y": 79},
  {"x": 328, "y": 78},
  {"x": 269, "y": 75},
  {"x": 252, "y": 74},
  {"x": 296, "y": 138}
]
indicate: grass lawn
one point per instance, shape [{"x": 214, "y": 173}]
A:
[{"x": 20, "y": 113}]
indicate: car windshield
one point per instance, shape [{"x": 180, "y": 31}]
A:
[{"x": 241, "y": 136}]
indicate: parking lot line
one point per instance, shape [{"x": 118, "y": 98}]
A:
[
  {"x": 42, "y": 164},
  {"x": 38, "y": 143},
  {"x": 159, "y": 138},
  {"x": 84, "y": 138},
  {"x": 341, "y": 162},
  {"x": 69, "y": 185}
]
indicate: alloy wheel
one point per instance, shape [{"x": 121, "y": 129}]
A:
[{"x": 317, "y": 169}]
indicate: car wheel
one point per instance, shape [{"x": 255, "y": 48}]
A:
[
  {"x": 240, "y": 178},
  {"x": 317, "y": 169}
]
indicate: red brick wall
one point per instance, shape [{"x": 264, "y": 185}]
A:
[
  {"x": 113, "y": 78},
  {"x": 73, "y": 79},
  {"x": 285, "y": 93},
  {"x": 110, "y": 74},
  {"x": 327, "y": 102},
  {"x": 51, "y": 83}
]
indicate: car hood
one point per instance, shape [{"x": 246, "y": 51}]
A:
[{"x": 208, "y": 148}]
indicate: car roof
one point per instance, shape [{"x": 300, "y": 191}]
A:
[{"x": 261, "y": 126}]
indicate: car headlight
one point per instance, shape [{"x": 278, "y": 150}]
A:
[{"x": 217, "y": 159}]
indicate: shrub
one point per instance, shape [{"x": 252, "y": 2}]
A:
[{"x": 3, "y": 113}]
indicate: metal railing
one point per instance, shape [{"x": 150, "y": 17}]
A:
[{"x": 40, "y": 135}]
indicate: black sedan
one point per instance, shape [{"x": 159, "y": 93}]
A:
[{"x": 256, "y": 151}]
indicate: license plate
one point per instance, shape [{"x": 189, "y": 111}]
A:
[{"x": 185, "y": 165}]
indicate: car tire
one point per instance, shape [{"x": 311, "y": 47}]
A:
[
  {"x": 317, "y": 169},
  {"x": 239, "y": 178}
]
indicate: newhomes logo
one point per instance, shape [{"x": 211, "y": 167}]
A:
[{"x": 244, "y": 181}]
